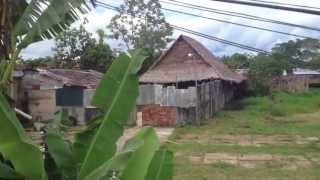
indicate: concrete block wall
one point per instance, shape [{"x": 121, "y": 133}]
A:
[
  {"x": 42, "y": 104},
  {"x": 156, "y": 115}
]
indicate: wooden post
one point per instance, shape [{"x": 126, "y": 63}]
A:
[{"x": 197, "y": 118}]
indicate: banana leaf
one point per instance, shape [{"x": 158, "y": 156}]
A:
[
  {"x": 137, "y": 168},
  {"x": 161, "y": 167},
  {"x": 17, "y": 147},
  {"x": 59, "y": 148},
  {"x": 115, "y": 96}
]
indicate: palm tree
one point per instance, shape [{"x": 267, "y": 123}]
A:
[{"x": 24, "y": 22}]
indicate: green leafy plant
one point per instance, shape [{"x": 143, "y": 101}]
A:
[
  {"x": 94, "y": 153},
  {"x": 25, "y": 22}
]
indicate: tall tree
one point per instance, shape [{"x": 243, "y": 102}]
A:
[
  {"x": 140, "y": 24},
  {"x": 97, "y": 55},
  {"x": 77, "y": 48},
  {"x": 237, "y": 61},
  {"x": 298, "y": 52},
  {"x": 70, "y": 46}
]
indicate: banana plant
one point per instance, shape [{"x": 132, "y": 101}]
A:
[
  {"x": 24, "y": 22},
  {"x": 94, "y": 154}
]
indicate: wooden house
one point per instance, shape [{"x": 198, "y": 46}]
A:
[{"x": 187, "y": 84}]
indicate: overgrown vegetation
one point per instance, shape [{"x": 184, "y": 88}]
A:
[{"x": 267, "y": 118}]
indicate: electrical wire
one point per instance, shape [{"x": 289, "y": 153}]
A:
[
  {"x": 270, "y": 6},
  {"x": 286, "y": 4},
  {"x": 238, "y": 24},
  {"x": 236, "y": 14},
  {"x": 242, "y": 46}
]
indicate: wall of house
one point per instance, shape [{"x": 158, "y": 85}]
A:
[
  {"x": 290, "y": 83},
  {"x": 41, "y": 104},
  {"x": 313, "y": 80},
  {"x": 167, "y": 96},
  {"x": 212, "y": 96},
  {"x": 166, "y": 106},
  {"x": 41, "y": 96}
]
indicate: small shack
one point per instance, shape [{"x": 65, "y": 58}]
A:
[
  {"x": 187, "y": 84},
  {"x": 312, "y": 76},
  {"x": 42, "y": 92}
]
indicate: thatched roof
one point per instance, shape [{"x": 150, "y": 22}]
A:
[{"x": 188, "y": 60}]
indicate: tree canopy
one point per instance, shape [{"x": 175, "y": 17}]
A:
[
  {"x": 141, "y": 25},
  {"x": 77, "y": 48},
  {"x": 300, "y": 53}
]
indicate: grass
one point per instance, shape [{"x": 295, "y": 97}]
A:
[
  {"x": 278, "y": 114},
  {"x": 286, "y": 114}
]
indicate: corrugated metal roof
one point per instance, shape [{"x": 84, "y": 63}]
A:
[
  {"x": 71, "y": 77},
  {"x": 300, "y": 71}
]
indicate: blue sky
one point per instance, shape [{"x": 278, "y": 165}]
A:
[{"x": 100, "y": 18}]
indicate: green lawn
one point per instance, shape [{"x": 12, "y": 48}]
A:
[{"x": 282, "y": 114}]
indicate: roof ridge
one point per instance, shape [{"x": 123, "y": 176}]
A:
[
  {"x": 211, "y": 67},
  {"x": 200, "y": 54}
]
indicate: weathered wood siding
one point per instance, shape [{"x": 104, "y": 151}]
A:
[
  {"x": 167, "y": 96},
  {"x": 193, "y": 105},
  {"x": 290, "y": 83}
]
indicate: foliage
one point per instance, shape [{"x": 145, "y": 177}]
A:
[
  {"x": 237, "y": 61},
  {"x": 261, "y": 71},
  {"x": 77, "y": 48},
  {"x": 141, "y": 25},
  {"x": 40, "y": 62},
  {"x": 94, "y": 154},
  {"x": 25, "y": 22},
  {"x": 15, "y": 144},
  {"x": 97, "y": 56},
  {"x": 301, "y": 53},
  {"x": 298, "y": 52},
  {"x": 59, "y": 150},
  {"x": 70, "y": 46}
]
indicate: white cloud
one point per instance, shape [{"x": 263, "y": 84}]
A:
[{"x": 100, "y": 17}]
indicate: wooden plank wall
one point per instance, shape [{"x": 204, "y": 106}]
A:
[
  {"x": 212, "y": 96},
  {"x": 167, "y": 96},
  {"x": 195, "y": 104}
]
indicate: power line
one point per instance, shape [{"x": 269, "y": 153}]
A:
[
  {"x": 236, "y": 14},
  {"x": 234, "y": 23},
  {"x": 197, "y": 33},
  {"x": 219, "y": 39},
  {"x": 286, "y": 4},
  {"x": 270, "y": 6}
]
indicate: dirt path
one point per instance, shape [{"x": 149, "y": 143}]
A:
[{"x": 163, "y": 134}]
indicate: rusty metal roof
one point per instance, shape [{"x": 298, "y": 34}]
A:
[
  {"x": 188, "y": 60},
  {"x": 71, "y": 77}
]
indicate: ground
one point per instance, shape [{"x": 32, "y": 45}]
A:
[
  {"x": 273, "y": 137},
  {"x": 162, "y": 133}
]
